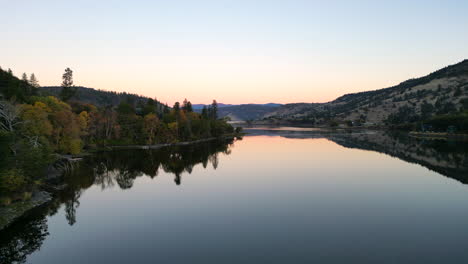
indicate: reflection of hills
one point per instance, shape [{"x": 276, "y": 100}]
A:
[{"x": 446, "y": 158}]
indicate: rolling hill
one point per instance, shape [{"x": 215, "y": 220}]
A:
[
  {"x": 442, "y": 92},
  {"x": 242, "y": 112},
  {"x": 98, "y": 98},
  {"x": 247, "y": 112}
]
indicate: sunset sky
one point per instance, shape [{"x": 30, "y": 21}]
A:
[{"x": 233, "y": 51}]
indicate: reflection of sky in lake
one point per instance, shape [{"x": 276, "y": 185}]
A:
[{"x": 273, "y": 200}]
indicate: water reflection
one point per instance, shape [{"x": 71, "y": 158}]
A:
[
  {"x": 123, "y": 167},
  {"x": 446, "y": 157},
  {"x": 120, "y": 169},
  {"x": 107, "y": 170},
  {"x": 16, "y": 244}
]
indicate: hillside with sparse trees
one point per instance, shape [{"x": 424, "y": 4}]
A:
[{"x": 441, "y": 95}]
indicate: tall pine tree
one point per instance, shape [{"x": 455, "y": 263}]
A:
[
  {"x": 68, "y": 91},
  {"x": 33, "y": 81}
]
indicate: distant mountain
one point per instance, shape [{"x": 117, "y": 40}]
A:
[
  {"x": 200, "y": 106},
  {"x": 242, "y": 112},
  {"x": 441, "y": 92},
  {"x": 247, "y": 111},
  {"x": 272, "y": 105},
  {"x": 96, "y": 97}
]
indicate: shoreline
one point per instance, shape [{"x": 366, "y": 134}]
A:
[
  {"x": 163, "y": 145},
  {"x": 438, "y": 135},
  {"x": 45, "y": 193},
  {"x": 17, "y": 210},
  {"x": 183, "y": 143}
]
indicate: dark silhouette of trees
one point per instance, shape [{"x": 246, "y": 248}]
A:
[
  {"x": 68, "y": 91},
  {"x": 214, "y": 110},
  {"x": 33, "y": 81},
  {"x": 204, "y": 112},
  {"x": 24, "y": 77},
  {"x": 176, "y": 107},
  {"x": 187, "y": 106}
]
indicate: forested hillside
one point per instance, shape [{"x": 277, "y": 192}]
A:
[
  {"x": 443, "y": 93},
  {"x": 100, "y": 98},
  {"x": 34, "y": 126},
  {"x": 12, "y": 88}
]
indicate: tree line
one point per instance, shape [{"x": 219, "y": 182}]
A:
[{"x": 34, "y": 127}]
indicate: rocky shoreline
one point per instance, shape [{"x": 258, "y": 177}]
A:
[
  {"x": 40, "y": 197},
  {"x": 17, "y": 210}
]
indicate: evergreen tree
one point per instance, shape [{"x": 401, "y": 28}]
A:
[
  {"x": 33, "y": 81},
  {"x": 204, "y": 112},
  {"x": 68, "y": 91},
  {"x": 166, "y": 109},
  {"x": 187, "y": 106},
  {"x": 24, "y": 77},
  {"x": 214, "y": 110},
  {"x": 177, "y": 107}
]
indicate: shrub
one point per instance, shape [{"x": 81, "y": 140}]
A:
[
  {"x": 443, "y": 122},
  {"x": 27, "y": 196},
  {"x": 333, "y": 123},
  {"x": 12, "y": 180},
  {"x": 5, "y": 201}
]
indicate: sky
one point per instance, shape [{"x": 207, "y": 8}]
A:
[{"x": 233, "y": 51}]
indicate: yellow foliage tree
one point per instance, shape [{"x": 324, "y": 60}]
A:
[{"x": 150, "y": 126}]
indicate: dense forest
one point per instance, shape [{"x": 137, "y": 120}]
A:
[
  {"x": 35, "y": 128},
  {"x": 100, "y": 98}
]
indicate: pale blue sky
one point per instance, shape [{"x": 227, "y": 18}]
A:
[{"x": 234, "y": 51}]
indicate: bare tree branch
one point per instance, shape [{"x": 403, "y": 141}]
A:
[{"x": 9, "y": 116}]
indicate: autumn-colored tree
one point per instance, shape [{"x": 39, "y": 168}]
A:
[
  {"x": 83, "y": 121},
  {"x": 185, "y": 130},
  {"x": 173, "y": 130},
  {"x": 103, "y": 125},
  {"x": 66, "y": 131},
  {"x": 36, "y": 126},
  {"x": 150, "y": 127}
]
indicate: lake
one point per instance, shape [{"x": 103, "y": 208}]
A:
[{"x": 277, "y": 196}]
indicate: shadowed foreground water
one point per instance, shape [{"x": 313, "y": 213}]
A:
[{"x": 277, "y": 196}]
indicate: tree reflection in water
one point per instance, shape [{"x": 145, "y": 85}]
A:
[
  {"x": 17, "y": 243},
  {"x": 106, "y": 169},
  {"x": 124, "y": 166},
  {"x": 119, "y": 169}
]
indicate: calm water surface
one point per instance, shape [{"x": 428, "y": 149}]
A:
[{"x": 277, "y": 196}]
